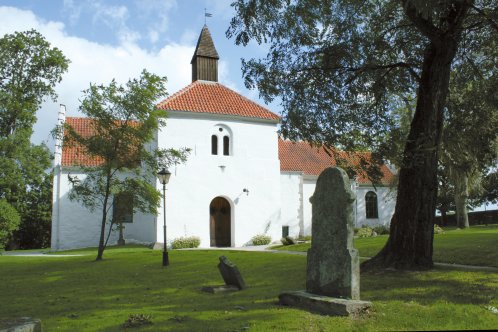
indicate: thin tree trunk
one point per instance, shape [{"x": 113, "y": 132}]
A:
[
  {"x": 411, "y": 234},
  {"x": 100, "y": 252},
  {"x": 461, "y": 195}
]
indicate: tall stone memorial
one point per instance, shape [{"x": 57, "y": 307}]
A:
[{"x": 333, "y": 270}]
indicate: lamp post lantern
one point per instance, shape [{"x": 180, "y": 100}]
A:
[{"x": 163, "y": 176}]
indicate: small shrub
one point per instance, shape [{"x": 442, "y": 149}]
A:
[
  {"x": 438, "y": 230},
  {"x": 137, "y": 320},
  {"x": 366, "y": 232},
  {"x": 284, "y": 241},
  {"x": 186, "y": 242},
  {"x": 381, "y": 229},
  {"x": 261, "y": 239}
]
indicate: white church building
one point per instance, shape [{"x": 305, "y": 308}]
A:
[{"x": 241, "y": 179}]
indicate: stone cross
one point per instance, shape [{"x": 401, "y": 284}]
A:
[{"x": 333, "y": 263}]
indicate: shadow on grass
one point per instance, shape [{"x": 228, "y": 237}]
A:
[
  {"x": 428, "y": 287},
  {"x": 74, "y": 291},
  {"x": 79, "y": 294}
]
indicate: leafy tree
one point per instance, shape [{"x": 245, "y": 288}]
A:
[
  {"x": 36, "y": 219},
  {"x": 9, "y": 221},
  {"x": 341, "y": 67},
  {"x": 491, "y": 188},
  {"x": 469, "y": 149},
  {"x": 29, "y": 70},
  {"x": 489, "y": 193},
  {"x": 445, "y": 196},
  {"x": 124, "y": 120}
]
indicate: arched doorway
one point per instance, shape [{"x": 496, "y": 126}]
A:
[{"x": 219, "y": 222}]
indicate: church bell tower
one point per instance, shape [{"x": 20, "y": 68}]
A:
[{"x": 205, "y": 60}]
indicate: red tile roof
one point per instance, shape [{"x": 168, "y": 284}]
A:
[
  {"x": 215, "y": 98},
  {"x": 76, "y": 155},
  {"x": 302, "y": 157},
  {"x": 294, "y": 156}
]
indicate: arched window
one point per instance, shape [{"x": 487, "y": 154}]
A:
[
  {"x": 371, "y": 208},
  {"x": 214, "y": 144},
  {"x": 221, "y": 140},
  {"x": 226, "y": 145}
]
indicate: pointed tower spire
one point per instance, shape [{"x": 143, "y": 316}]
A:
[{"x": 205, "y": 60}]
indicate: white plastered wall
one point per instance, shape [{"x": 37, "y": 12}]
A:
[
  {"x": 386, "y": 202},
  {"x": 291, "y": 186},
  {"x": 296, "y": 207},
  {"x": 253, "y": 165},
  {"x": 74, "y": 226}
]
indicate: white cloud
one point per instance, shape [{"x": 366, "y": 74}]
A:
[
  {"x": 96, "y": 63},
  {"x": 73, "y": 10},
  {"x": 156, "y": 13}
]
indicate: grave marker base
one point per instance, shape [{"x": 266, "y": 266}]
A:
[
  {"x": 324, "y": 305},
  {"x": 22, "y": 324}
]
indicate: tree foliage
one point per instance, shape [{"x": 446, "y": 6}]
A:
[
  {"x": 9, "y": 221},
  {"x": 470, "y": 137},
  {"x": 342, "y": 67},
  {"x": 29, "y": 71},
  {"x": 36, "y": 218},
  {"x": 489, "y": 192},
  {"x": 124, "y": 120}
]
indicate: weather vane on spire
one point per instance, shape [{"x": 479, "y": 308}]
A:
[{"x": 206, "y": 15}]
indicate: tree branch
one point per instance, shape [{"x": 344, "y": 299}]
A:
[
  {"x": 368, "y": 67},
  {"x": 425, "y": 26},
  {"x": 493, "y": 24}
]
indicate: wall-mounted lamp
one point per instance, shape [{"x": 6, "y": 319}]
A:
[
  {"x": 245, "y": 190},
  {"x": 73, "y": 179}
]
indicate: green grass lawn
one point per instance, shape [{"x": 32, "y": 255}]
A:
[
  {"x": 477, "y": 245},
  {"x": 78, "y": 294}
]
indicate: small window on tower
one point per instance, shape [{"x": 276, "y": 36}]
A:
[
  {"x": 226, "y": 145},
  {"x": 214, "y": 144}
]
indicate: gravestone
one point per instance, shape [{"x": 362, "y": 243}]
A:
[
  {"x": 230, "y": 274},
  {"x": 333, "y": 270}
]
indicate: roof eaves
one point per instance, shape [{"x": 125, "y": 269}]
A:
[{"x": 193, "y": 114}]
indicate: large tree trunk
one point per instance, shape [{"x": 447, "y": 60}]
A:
[
  {"x": 411, "y": 234},
  {"x": 461, "y": 195},
  {"x": 412, "y": 226}
]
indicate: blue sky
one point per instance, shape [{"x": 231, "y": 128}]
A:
[{"x": 106, "y": 39}]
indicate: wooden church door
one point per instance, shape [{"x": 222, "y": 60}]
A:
[{"x": 219, "y": 222}]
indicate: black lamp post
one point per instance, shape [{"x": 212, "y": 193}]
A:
[{"x": 164, "y": 176}]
